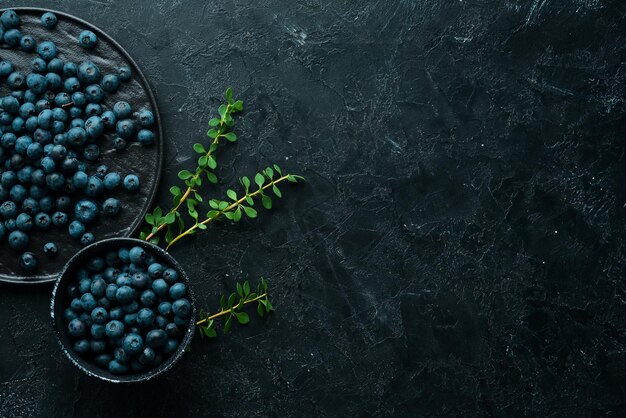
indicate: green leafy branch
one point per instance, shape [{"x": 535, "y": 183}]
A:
[
  {"x": 231, "y": 308},
  {"x": 207, "y": 163},
  {"x": 238, "y": 205}
]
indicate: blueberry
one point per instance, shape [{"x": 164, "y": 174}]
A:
[
  {"x": 24, "y": 222},
  {"x": 121, "y": 356},
  {"x": 91, "y": 152},
  {"x": 147, "y": 356},
  {"x": 145, "y": 318},
  {"x": 94, "y": 187},
  {"x": 156, "y": 338},
  {"x": 98, "y": 346},
  {"x": 86, "y": 211},
  {"x": 178, "y": 290},
  {"x": 116, "y": 313},
  {"x": 155, "y": 270},
  {"x": 146, "y": 118},
  {"x": 124, "y": 73},
  {"x": 119, "y": 143},
  {"x": 6, "y": 68},
  {"x": 36, "y": 83},
  {"x": 69, "y": 314},
  {"x": 131, "y": 182},
  {"x": 76, "y": 229},
  {"x": 140, "y": 280},
  {"x": 111, "y": 207},
  {"x": 181, "y": 322},
  {"x": 125, "y": 294},
  {"x": 181, "y": 308},
  {"x": 87, "y": 239},
  {"x": 28, "y": 261},
  {"x": 130, "y": 319},
  {"x": 94, "y": 93},
  {"x": 88, "y": 73},
  {"x": 12, "y": 37},
  {"x": 71, "y": 85},
  {"x": 49, "y": 20},
  {"x": 103, "y": 360},
  {"x": 131, "y": 307},
  {"x": 145, "y": 137},
  {"x": 10, "y": 19},
  {"x": 132, "y": 344},
  {"x": 76, "y": 328},
  {"x": 99, "y": 316},
  {"x": 50, "y": 249},
  {"x": 110, "y": 83},
  {"x": 42, "y": 220},
  {"x": 16, "y": 80},
  {"x": 94, "y": 127},
  {"x": 148, "y": 298},
  {"x": 98, "y": 287},
  {"x": 137, "y": 255},
  {"x": 124, "y": 255},
  {"x": 27, "y": 43},
  {"x": 170, "y": 346},
  {"x": 103, "y": 302},
  {"x": 47, "y": 50},
  {"x": 87, "y": 39},
  {"x": 88, "y": 302},
  {"x": 112, "y": 180},
  {"x": 170, "y": 275},
  {"x": 81, "y": 346},
  {"x": 75, "y": 305},
  {"x": 114, "y": 329},
  {"x": 125, "y": 128},
  {"x": 124, "y": 279},
  {"x": 110, "y": 291},
  {"x": 18, "y": 240},
  {"x": 97, "y": 330}
]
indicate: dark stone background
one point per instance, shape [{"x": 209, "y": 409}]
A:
[{"x": 458, "y": 248}]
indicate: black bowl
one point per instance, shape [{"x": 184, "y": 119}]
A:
[{"x": 60, "y": 301}]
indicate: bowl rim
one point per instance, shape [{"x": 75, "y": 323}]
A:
[{"x": 69, "y": 352}]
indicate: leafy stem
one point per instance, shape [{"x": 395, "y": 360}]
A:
[
  {"x": 233, "y": 211},
  {"x": 231, "y": 307}
]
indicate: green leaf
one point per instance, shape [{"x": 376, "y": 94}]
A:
[
  {"x": 169, "y": 235},
  {"x": 170, "y": 218},
  {"x": 292, "y": 178},
  {"x": 237, "y": 215},
  {"x": 278, "y": 170},
  {"x": 202, "y": 161},
  {"x": 199, "y": 148},
  {"x": 143, "y": 235},
  {"x": 267, "y": 202},
  {"x": 212, "y": 214},
  {"x": 231, "y": 136},
  {"x": 242, "y": 317},
  {"x": 268, "y": 305},
  {"x": 229, "y": 95},
  {"x": 155, "y": 240},
  {"x": 175, "y": 191},
  {"x": 246, "y": 288},
  {"x": 250, "y": 211},
  {"x": 214, "y": 203},
  {"x": 269, "y": 172},
  {"x": 245, "y": 181},
  {"x": 222, "y": 300},
  {"x": 212, "y": 133},
  {"x": 276, "y": 191},
  {"x": 259, "y": 179},
  {"x": 157, "y": 213},
  {"x": 229, "y": 215},
  {"x": 222, "y": 205},
  {"x": 231, "y": 300},
  {"x": 214, "y": 122},
  {"x": 231, "y": 194},
  {"x": 212, "y": 177},
  {"x": 228, "y": 324},
  {"x": 250, "y": 200},
  {"x": 202, "y": 226},
  {"x": 238, "y": 105},
  {"x": 260, "y": 310},
  {"x": 211, "y": 162},
  {"x": 185, "y": 174},
  {"x": 149, "y": 219},
  {"x": 239, "y": 290},
  {"x": 222, "y": 111},
  {"x": 228, "y": 120}
]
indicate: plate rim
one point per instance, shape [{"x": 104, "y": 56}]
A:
[{"x": 136, "y": 225}]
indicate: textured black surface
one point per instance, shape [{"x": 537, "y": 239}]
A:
[
  {"x": 109, "y": 57},
  {"x": 458, "y": 249}
]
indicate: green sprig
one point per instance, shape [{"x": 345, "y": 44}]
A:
[{"x": 231, "y": 308}]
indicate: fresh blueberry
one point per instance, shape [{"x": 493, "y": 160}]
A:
[
  {"x": 114, "y": 329},
  {"x": 49, "y": 20},
  {"x": 87, "y": 239},
  {"x": 131, "y": 182},
  {"x": 18, "y": 240},
  {"x": 148, "y": 298},
  {"x": 110, "y": 83},
  {"x": 88, "y": 73},
  {"x": 87, "y": 39},
  {"x": 10, "y": 19},
  {"x": 146, "y": 118},
  {"x": 119, "y": 143},
  {"x": 97, "y": 330},
  {"x": 181, "y": 308},
  {"x": 140, "y": 280},
  {"x": 24, "y": 222},
  {"x": 27, "y": 43},
  {"x": 103, "y": 360},
  {"x": 170, "y": 275},
  {"x": 98, "y": 346},
  {"x": 145, "y": 318},
  {"x": 125, "y": 128},
  {"x": 88, "y": 302},
  {"x": 132, "y": 344},
  {"x": 178, "y": 290},
  {"x": 130, "y": 319},
  {"x": 125, "y": 73},
  {"x": 145, "y": 137},
  {"x": 155, "y": 270},
  {"x": 137, "y": 255},
  {"x": 116, "y": 313},
  {"x": 76, "y": 328},
  {"x": 147, "y": 356},
  {"x": 156, "y": 338},
  {"x": 86, "y": 211},
  {"x": 170, "y": 346},
  {"x": 131, "y": 307},
  {"x": 28, "y": 261},
  {"x": 76, "y": 229},
  {"x": 12, "y": 37},
  {"x": 47, "y": 50},
  {"x": 81, "y": 346},
  {"x": 42, "y": 220},
  {"x": 98, "y": 287},
  {"x": 50, "y": 249},
  {"x": 125, "y": 294}
]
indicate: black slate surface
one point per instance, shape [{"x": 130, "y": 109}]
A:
[{"x": 458, "y": 249}]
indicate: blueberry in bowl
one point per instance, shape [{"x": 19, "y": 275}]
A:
[{"x": 123, "y": 310}]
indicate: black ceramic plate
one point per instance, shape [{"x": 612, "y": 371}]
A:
[
  {"x": 141, "y": 160},
  {"x": 60, "y": 301}
]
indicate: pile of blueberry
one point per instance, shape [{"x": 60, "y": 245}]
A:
[
  {"x": 128, "y": 313},
  {"x": 52, "y": 125}
]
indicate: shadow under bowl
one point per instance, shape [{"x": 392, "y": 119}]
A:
[{"x": 61, "y": 300}]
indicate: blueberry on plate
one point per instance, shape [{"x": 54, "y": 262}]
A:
[
  {"x": 114, "y": 329},
  {"x": 10, "y": 19},
  {"x": 156, "y": 338},
  {"x": 28, "y": 261},
  {"x": 49, "y": 20},
  {"x": 87, "y": 39},
  {"x": 76, "y": 328},
  {"x": 50, "y": 249},
  {"x": 132, "y": 344},
  {"x": 181, "y": 308}
]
